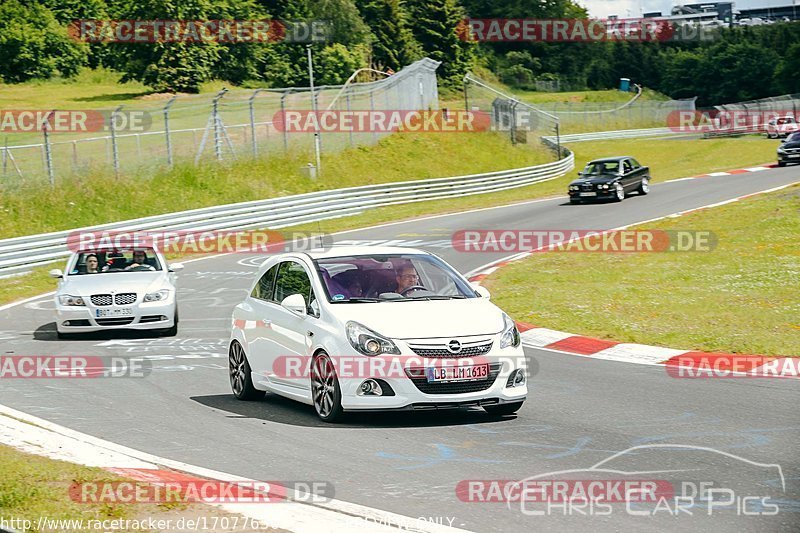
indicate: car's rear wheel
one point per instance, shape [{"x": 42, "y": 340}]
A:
[
  {"x": 644, "y": 186},
  {"x": 619, "y": 192},
  {"x": 325, "y": 390},
  {"x": 503, "y": 408},
  {"x": 239, "y": 372}
]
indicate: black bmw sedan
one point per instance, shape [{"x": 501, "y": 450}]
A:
[
  {"x": 789, "y": 151},
  {"x": 611, "y": 178}
]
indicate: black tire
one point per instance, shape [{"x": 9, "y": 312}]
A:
[
  {"x": 326, "y": 394},
  {"x": 239, "y": 374},
  {"x": 574, "y": 201},
  {"x": 503, "y": 408},
  {"x": 781, "y": 163},
  {"x": 171, "y": 332},
  {"x": 619, "y": 196},
  {"x": 644, "y": 186}
]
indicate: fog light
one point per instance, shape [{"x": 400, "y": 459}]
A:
[
  {"x": 516, "y": 378},
  {"x": 370, "y": 387}
]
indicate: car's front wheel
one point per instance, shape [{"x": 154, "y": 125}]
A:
[
  {"x": 325, "y": 390},
  {"x": 171, "y": 332},
  {"x": 619, "y": 192},
  {"x": 503, "y": 408},
  {"x": 239, "y": 371},
  {"x": 644, "y": 186},
  {"x": 781, "y": 163}
]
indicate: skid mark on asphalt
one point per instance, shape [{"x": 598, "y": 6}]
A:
[
  {"x": 445, "y": 454},
  {"x": 746, "y": 438},
  {"x": 568, "y": 451}
]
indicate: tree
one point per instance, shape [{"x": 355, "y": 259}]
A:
[
  {"x": 393, "y": 43},
  {"x": 435, "y": 24},
  {"x": 34, "y": 45},
  {"x": 786, "y": 79}
]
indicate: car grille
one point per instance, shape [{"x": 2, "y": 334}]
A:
[
  {"x": 101, "y": 299},
  {"x": 792, "y": 150},
  {"x": 125, "y": 298},
  {"x": 440, "y": 350},
  {"x": 587, "y": 187},
  {"x": 455, "y": 387},
  {"x": 114, "y": 321}
]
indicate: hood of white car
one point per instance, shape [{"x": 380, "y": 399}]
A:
[
  {"x": 138, "y": 282},
  {"x": 425, "y": 319}
]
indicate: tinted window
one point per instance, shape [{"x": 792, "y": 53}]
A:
[
  {"x": 265, "y": 288},
  {"x": 293, "y": 279}
]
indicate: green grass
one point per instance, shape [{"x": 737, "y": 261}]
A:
[
  {"x": 33, "y": 487},
  {"x": 536, "y": 97},
  {"x": 742, "y": 297},
  {"x": 668, "y": 160}
]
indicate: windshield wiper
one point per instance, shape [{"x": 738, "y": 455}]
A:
[
  {"x": 358, "y": 300},
  {"x": 437, "y": 297}
]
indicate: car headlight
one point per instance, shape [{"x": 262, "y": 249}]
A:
[
  {"x": 158, "y": 296},
  {"x": 510, "y": 334},
  {"x": 781, "y": 151},
  {"x": 367, "y": 342},
  {"x": 573, "y": 187},
  {"x": 67, "y": 299}
]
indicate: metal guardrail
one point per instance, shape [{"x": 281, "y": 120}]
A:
[
  {"x": 20, "y": 254},
  {"x": 621, "y": 134}
]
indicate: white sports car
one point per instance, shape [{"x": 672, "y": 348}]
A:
[
  {"x": 116, "y": 289},
  {"x": 367, "y": 328}
]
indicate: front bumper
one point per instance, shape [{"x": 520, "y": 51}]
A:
[
  {"x": 418, "y": 394},
  {"x": 789, "y": 158},
  {"x": 83, "y": 319},
  {"x": 600, "y": 195}
]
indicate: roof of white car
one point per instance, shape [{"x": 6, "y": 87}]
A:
[{"x": 346, "y": 251}]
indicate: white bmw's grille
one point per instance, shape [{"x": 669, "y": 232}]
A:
[
  {"x": 125, "y": 298},
  {"x": 101, "y": 299}
]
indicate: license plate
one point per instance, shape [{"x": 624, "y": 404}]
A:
[
  {"x": 794, "y": 155},
  {"x": 457, "y": 373},
  {"x": 105, "y": 313},
  {"x": 588, "y": 194}
]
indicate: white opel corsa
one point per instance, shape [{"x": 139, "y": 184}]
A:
[
  {"x": 366, "y": 328},
  {"x": 116, "y": 288}
]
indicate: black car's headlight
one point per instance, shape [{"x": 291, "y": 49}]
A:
[
  {"x": 367, "y": 342},
  {"x": 510, "y": 334},
  {"x": 781, "y": 151},
  {"x": 66, "y": 299},
  {"x": 573, "y": 187}
]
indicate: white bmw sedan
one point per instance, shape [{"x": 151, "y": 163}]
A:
[
  {"x": 116, "y": 289},
  {"x": 366, "y": 328}
]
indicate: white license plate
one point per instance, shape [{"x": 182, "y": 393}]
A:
[
  {"x": 122, "y": 311},
  {"x": 794, "y": 156},
  {"x": 457, "y": 373},
  {"x": 588, "y": 194}
]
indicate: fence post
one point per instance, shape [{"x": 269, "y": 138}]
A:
[
  {"x": 5, "y": 157},
  {"x": 48, "y": 154},
  {"x": 347, "y": 100},
  {"x": 215, "y": 118},
  {"x": 512, "y": 127},
  {"x": 466, "y": 94},
  {"x": 253, "y": 121},
  {"x": 283, "y": 121},
  {"x": 558, "y": 141},
  {"x": 166, "y": 129},
  {"x": 75, "y": 155},
  {"x": 114, "y": 150},
  {"x": 372, "y": 112}
]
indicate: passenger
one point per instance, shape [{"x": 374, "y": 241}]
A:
[
  {"x": 92, "y": 264},
  {"x": 350, "y": 280}
]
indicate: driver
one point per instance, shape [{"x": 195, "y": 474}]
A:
[
  {"x": 139, "y": 260},
  {"x": 406, "y": 277}
]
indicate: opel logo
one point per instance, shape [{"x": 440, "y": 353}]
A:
[{"x": 454, "y": 346}]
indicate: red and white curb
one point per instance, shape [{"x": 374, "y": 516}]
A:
[
  {"x": 296, "y": 512},
  {"x": 734, "y": 172},
  {"x": 703, "y": 362}
]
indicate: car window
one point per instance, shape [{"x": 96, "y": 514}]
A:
[
  {"x": 293, "y": 279},
  {"x": 115, "y": 261},
  {"x": 626, "y": 167},
  {"x": 265, "y": 288},
  {"x": 635, "y": 163}
]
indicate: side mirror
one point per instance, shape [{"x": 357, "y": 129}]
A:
[
  {"x": 56, "y": 273},
  {"x": 176, "y": 267},
  {"x": 295, "y": 303},
  {"x": 481, "y": 290}
]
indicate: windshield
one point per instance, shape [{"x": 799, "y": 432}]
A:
[
  {"x": 601, "y": 167},
  {"x": 383, "y": 278},
  {"x": 111, "y": 261}
]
